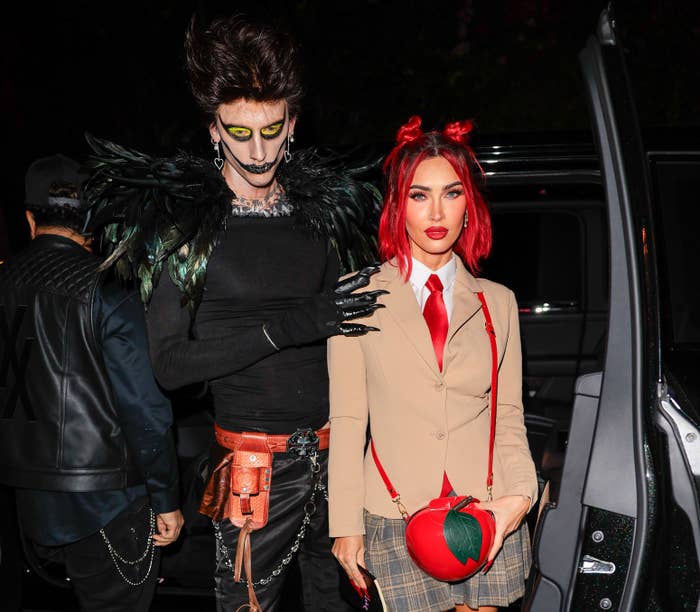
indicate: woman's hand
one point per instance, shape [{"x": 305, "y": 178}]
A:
[
  {"x": 350, "y": 551},
  {"x": 509, "y": 512}
]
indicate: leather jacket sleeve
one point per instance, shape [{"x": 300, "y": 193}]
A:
[{"x": 144, "y": 412}]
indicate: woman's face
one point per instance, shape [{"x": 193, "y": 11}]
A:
[
  {"x": 435, "y": 212},
  {"x": 253, "y": 136}
]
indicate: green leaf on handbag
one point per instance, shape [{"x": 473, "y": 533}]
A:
[{"x": 462, "y": 535}]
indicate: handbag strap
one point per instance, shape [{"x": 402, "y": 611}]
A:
[
  {"x": 494, "y": 389},
  {"x": 395, "y": 497}
]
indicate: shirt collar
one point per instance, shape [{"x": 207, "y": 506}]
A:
[{"x": 420, "y": 273}]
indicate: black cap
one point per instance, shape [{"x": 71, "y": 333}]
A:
[{"x": 46, "y": 174}]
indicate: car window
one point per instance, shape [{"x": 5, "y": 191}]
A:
[
  {"x": 537, "y": 254},
  {"x": 677, "y": 193}
]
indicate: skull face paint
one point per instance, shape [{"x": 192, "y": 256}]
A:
[{"x": 253, "y": 136}]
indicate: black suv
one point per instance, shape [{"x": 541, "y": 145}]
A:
[
  {"x": 601, "y": 250},
  {"x": 604, "y": 272}
]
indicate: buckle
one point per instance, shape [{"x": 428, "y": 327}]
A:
[{"x": 303, "y": 442}]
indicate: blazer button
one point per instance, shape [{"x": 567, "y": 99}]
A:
[
  {"x": 439, "y": 385},
  {"x": 440, "y": 435}
]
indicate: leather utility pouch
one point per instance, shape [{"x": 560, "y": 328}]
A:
[
  {"x": 238, "y": 487},
  {"x": 214, "y": 500},
  {"x": 249, "y": 484}
]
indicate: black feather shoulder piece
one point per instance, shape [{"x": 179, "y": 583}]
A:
[
  {"x": 148, "y": 212},
  {"x": 333, "y": 198}
]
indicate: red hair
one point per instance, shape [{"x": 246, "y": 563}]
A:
[{"x": 412, "y": 147}]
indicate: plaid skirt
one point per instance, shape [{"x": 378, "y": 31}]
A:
[{"x": 407, "y": 588}]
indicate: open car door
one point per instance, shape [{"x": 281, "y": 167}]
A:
[{"x": 609, "y": 537}]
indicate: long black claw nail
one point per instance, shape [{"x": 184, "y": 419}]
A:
[
  {"x": 357, "y": 312},
  {"x": 369, "y": 297},
  {"x": 354, "y": 299},
  {"x": 351, "y": 284},
  {"x": 356, "y": 329}
]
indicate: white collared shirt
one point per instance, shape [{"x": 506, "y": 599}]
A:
[{"x": 419, "y": 276}]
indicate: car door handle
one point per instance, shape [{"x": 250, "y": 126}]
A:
[{"x": 591, "y": 565}]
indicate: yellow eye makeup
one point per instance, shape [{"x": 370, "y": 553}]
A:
[
  {"x": 272, "y": 130},
  {"x": 239, "y": 133},
  {"x": 242, "y": 133}
]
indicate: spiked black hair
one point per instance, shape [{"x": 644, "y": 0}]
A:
[{"x": 231, "y": 58}]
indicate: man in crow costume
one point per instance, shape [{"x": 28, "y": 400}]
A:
[{"x": 251, "y": 245}]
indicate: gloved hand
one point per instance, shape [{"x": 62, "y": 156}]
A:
[
  {"x": 327, "y": 314},
  {"x": 357, "y": 305}
]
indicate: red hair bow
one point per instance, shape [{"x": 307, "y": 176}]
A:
[
  {"x": 409, "y": 131},
  {"x": 459, "y": 131}
]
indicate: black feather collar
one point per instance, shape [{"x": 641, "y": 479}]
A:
[{"x": 150, "y": 211}]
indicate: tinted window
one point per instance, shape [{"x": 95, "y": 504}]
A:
[
  {"x": 678, "y": 199},
  {"x": 538, "y": 255}
]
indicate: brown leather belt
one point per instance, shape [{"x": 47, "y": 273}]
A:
[{"x": 297, "y": 442}]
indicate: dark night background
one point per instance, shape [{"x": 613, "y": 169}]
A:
[{"x": 115, "y": 69}]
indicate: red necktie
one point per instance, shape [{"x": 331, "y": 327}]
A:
[{"x": 435, "y": 315}]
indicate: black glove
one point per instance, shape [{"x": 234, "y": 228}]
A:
[
  {"x": 327, "y": 314},
  {"x": 357, "y": 305}
]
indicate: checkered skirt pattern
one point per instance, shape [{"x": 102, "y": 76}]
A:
[{"x": 407, "y": 588}]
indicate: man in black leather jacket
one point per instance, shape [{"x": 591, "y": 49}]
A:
[{"x": 84, "y": 429}]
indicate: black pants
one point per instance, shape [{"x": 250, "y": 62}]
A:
[
  {"x": 291, "y": 490},
  {"x": 97, "y": 583}
]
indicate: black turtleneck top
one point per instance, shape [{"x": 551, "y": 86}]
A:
[{"x": 260, "y": 267}]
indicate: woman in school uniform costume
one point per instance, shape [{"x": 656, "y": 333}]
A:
[{"x": 423, "y": 385}]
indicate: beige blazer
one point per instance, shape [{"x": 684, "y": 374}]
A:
[{"x": 423, "y": 421}]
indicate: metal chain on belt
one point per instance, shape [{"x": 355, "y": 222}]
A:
[
  {"x": 309, "y": 510},
  {"x": 150, "y": 549}
]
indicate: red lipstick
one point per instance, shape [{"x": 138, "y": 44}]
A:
[{"x": 436, "y": 232}]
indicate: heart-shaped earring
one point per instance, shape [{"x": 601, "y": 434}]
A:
[
  {"x": 287, "y": 152},
  {"x": 218, "y": 161}
]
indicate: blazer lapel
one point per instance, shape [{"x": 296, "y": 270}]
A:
[
  {"x": 402, "y": 305},
  {"x": 465, "y": 303}
]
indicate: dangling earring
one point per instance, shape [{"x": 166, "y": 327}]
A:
[
  {"x": 218, "y": 162},
  {"x": 466, "y": 218},
  {"x": 287, "y": 153}
]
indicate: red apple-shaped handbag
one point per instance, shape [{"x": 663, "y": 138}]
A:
[{"x": 450, "y": 538}]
